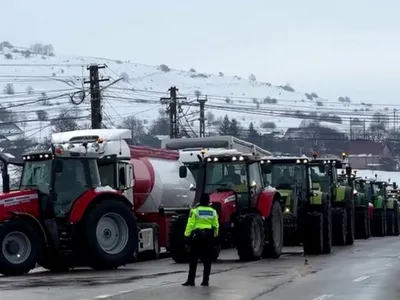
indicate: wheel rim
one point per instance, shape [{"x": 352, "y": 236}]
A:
[
  {"x": 16, "y": 247},
  {"x": 112, "y": 233}
]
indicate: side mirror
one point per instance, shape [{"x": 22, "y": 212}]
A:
[
  {"x": 192, "y": 187},
  {"x": 58, "y": 166},
  {"x": 348, "y": 170},
  {"x": 182, "y": 172},
  {"x": 394, "y": 185},
  {"x": 122, "y": 179},
  {"x": 253, "y": 184}
]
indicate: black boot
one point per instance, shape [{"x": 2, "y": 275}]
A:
[
  {"x": 188, "y": 283},
  {"x": 204, "y": 283}
]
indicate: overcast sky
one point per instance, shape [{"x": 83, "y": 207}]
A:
[{"x": 335, "y": 48}]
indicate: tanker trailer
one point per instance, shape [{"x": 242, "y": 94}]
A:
[{"x": 148, "y": 177}]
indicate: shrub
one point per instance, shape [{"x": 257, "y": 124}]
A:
[
  {"x": 252, "y": 77},
  {"x": 287, "y": 88},
  {"x": 164, "y": 68}
]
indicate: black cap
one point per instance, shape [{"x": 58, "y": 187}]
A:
[{"x": 205, "y": 199}]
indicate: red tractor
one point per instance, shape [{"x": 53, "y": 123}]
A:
[
  {"x": 61, "y": 217},
  {"x": 250, "y": 214}
]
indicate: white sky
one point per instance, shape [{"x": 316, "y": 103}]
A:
[{"x": 335, "y": 48}]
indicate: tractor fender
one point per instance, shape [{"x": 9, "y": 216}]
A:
[
  {"x": 341, "y": 193},
  {"x": 265, "y": 201},
  {"x": 32, "y": 219},
  {"x": 89, "y": 199},
  {"x": 316, "y": 198}
]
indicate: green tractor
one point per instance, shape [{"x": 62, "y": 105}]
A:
[
  {"x": 385, "y": 208},
  {"x": 307, "y": 212},
  {"x": 393, "y": 210},
  {"x": 324, "y": 176},
  {"x": 363, "y": 210}
]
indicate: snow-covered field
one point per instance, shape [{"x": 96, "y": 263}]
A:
[
  {"x": 382, "y": 175},
  {"x": 57, "y": 78}
]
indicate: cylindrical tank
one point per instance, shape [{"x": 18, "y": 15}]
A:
[{"x": 157, "y": 183}]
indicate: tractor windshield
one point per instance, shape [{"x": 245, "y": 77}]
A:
[
  {"x": 283, "y": 176},
  {"x": 230, "y": 176},
  {"x": 320, "y": 177},
  {"x": 194, "y": 169},
  {"x": 36, "y": 175}
]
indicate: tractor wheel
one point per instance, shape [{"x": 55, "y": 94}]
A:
[
  {"x": 362, "y": 223},
  {"x": 20, "y": 247},
  {"x": 339, "y": 218},
  {"x": 274, "y": 228},
  {"x": 396, "y": 220},
  {"x": 250, "y": 237},
  {"x": 327, "y": 232},
  {"x": 350, "y": 210},
  {"x": 110, "y": 235},
  {"x": 313, "y": 242},
  {"x": 390, "y": 221},
  {"x": 52, "y": 262},
  {"x": 378, "y": 222},
  {"x": 176, "y": 239}
]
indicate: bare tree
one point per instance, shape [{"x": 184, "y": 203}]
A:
[{"x": 136, "y": 127}]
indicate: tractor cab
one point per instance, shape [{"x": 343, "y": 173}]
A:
[
  {"x": 291, "y": 176},
  {"x": 229, "y": 178},
  {"x": 60, "y": 177}
]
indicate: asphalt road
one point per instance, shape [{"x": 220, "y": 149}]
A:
[{"x": 368, "y": 270}]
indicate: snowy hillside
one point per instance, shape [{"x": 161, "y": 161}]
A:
[
  {"x": 34, "y": 82},
  {"x": 382, "y": 175}
]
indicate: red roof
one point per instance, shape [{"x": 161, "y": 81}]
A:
[{"x": 365, "y": 147}]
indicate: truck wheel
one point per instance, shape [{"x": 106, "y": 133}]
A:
[
  {"x": 313, "y": 242},
  {"x": 390, "y": 221},
  {"x": 350, "y": 210},
  {"x": 339, "y": 230},
  {"x": 378, "y": 222},
  {"x": 111, "y": 235},
  {"x": 250, "y": 237},
  {"x": 20, "y": 247},
  {"x": 176, "y": 239},
  {"x": 274, "y": 228},
  {"x": 361, "y": 222},
  {"x": 327, "y": 233}
]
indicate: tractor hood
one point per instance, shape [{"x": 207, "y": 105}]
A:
[{"x": 222, "y": 197}]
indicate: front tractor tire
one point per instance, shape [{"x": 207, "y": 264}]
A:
[
  {"x": 327, "y": 231},
  {"x": 274, "y": 229},
  {"x": 250, "y": 237},
  {"x": 378, "y": 224},
  {"x": 339, "y": 218},
  {"x": 176, "y": 239},
  {"x": 313, "y": 241},
  {"x": 362, "y": 223},
  {"x": 110, "y": 235},
  {"x": 351, "y": 224},
  {"x": 20, "y": 247}
]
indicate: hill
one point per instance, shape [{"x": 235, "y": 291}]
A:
[{"x": 40, "y": 89}]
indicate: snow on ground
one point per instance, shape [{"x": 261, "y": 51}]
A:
[
  {"x": 139, "y": 94},
  {"x": 382, "y": 175}
]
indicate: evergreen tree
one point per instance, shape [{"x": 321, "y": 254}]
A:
[
  {"x": 224, "y": 128},
  {"x": 252, "y": 132},
  {"x": 234, "y": 128}
]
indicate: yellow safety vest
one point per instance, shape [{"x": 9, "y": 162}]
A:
[{"x": 202, "y": 217}]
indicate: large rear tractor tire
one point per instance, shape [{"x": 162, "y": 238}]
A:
[
  {"x": 339, "y": 218},
  {"x": 250, "y": 237},
  {"x": 176, "y": 239},
  {"x": 378, "y": 224},
  {"x": 20, "y": 247},
  {"x": 274, "y": 229},
  {"x": 396, "y": 231},
  {"x": 351, "y": 224},
  {"x": 361, "y": 223},
  {"x": 327, "y": 232},
  {"x": 313, "y": 241},
  {"x": 110, "y": 235}
]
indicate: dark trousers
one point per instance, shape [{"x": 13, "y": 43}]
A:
[{"x": 201, "y": 247}]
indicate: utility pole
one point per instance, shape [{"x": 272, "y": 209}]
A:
[
  {"x": 173, "y": 105},
  {"x": 202, "y": 118},
  {"x": 95, "y": 94}
]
